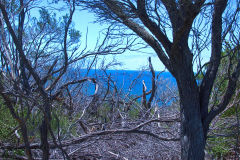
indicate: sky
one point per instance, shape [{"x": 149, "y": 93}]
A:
[
  {"x": 84, "y": 22},
  {"x": 130, "y": 60}
]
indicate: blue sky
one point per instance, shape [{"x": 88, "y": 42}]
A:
[{"x": 83, "y": 21}]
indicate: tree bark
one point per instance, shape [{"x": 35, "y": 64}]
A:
[
  {"x": 26, "y": 141},
  {"x": 44, "y": 128},
  {"x": 192, "y": 134},
  {"x": 192, "y": 137}
]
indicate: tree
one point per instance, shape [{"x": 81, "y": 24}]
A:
[{"x": 170, "y": 27}]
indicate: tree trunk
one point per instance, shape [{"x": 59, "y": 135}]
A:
[
  {"x": 26, "y": 141},
  {"x": 44, "y": 130},
  {"x": 44, "y": 140},
  {"x": 192, "y": 133}
]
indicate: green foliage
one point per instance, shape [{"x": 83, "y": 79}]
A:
[
  {"x": 60, "y": 121},
  {"x": 74, "y": 35},
  {"x": 103, "y": 112},
  {"x": 134, "y": 113},
  {"x": 231, "y": 112},
  {"x": 220, "y": 146},
  {"x": 45, "y": 17},
  {"x": 47, "y": 23},
  {"x": 7, "y": 124},
  {"x": 12, "y": 6},
  {"x": 8, "y": 154}
]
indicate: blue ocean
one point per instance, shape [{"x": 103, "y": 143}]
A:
[{"x": 127, "y": 81}]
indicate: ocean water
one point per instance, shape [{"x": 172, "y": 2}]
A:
[{"x": 126, "y": 81}]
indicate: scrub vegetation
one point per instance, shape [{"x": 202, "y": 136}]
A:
[{"x": 51, "y": 107}]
